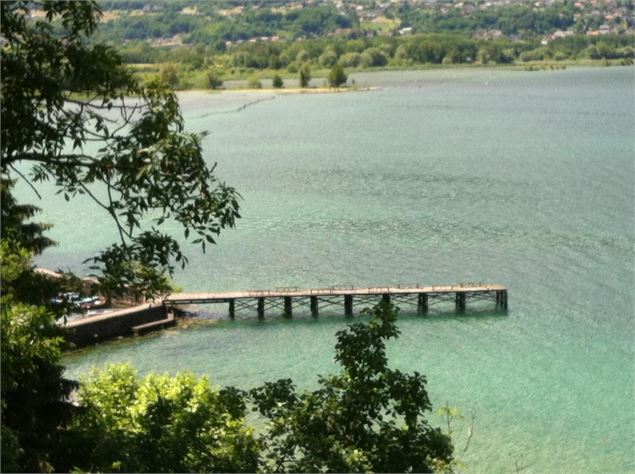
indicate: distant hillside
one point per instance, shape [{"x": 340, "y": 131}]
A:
[
  {"x": 204, "y": 43},
  {"x": 196, "y": 22}
]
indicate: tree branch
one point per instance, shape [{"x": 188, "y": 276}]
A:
[
  {"x": 115, "y": 217},
  {"x": 40, "y": 157},
  {"x": 28, "y": 181}
]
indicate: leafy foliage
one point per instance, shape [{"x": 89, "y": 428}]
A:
[
  {"x": 35, "y": 395},
  {"x": 169, "y": 75},
  {"x": 214, "y": 80},
  {"x": 305, "y": 75},
  {"x": 15, "y": 221},
  {"x": 211, "y": 26},
  {"x": 122, "y": 145},
  {"x": 277, "y": 82},
  {"x": 337, "y": 77},
  {"x": 254, "y": 82},
  {"x": 160, "y": 424},
  {"x": 367, "y": 418}
]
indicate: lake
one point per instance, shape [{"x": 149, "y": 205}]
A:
[{"x": 443, "y": 176}]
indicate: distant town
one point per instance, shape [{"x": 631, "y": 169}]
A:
[
  {"x": 388, "y": 18},
  {"x": 193, "y": 44}
]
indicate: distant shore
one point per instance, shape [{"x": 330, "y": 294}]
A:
[
  {"x": 283, "y": 90},
  {"x": 238, "y": 82}
]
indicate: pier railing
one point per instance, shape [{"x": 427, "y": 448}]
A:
[{"x": 286, "y": 297}]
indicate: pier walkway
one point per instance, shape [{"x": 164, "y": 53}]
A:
[{"x": 286, "y": 298}]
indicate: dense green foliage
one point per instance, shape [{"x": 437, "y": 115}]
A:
[
  {"x": 216, "y": 22},
  {"x": 213, "y": 80},
  {"x": 17, "y": 224},
  {"x": 35, "y": 395},
  {"x": 236, "y": 38},
  {"x": 146, "y": 163},
  {"x": 382, "y": 51},
  {"x": 426, "y": 49},
  {"x": 368, "y": 418},
  {"x": 254, "y": 82},
  {"x": 169, "y": 75},
  {"x": 210, "y": 27},
  {"x": 337, "y": 77},
  {"x": 277, "y": 82},
  {"x": 305, "y": 75},
  {"x": 510, "y": 19},
  {"x": 159, "y": 424},
  {"x": 60, "y": 93}
]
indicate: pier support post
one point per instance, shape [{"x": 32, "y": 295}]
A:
[
  {"x": 422, "y": 303},
  {"x": 460, "y": 302},
  {"x": 261, "y": 308},
  {"x": 385, "y": 298},
  {"x": 348, "y": 305},
  {"x": 501, "y": 299},
  {"x": 314, "y": 306},
  {"x": 232, "y": 309},
  {"x": 288, "y": 312}
]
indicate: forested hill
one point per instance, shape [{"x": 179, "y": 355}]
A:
[
  {"x": 195, "y": 22},
  {"x": 207, "y": 42}
]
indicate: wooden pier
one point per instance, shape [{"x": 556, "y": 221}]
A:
[{"x": 285, "y": 299}]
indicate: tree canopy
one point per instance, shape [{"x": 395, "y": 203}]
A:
[
  {"x": 368, "y": 418},
  {"x": 337, "y": 76},
  {"x": 305, "y": 75},
  {"x": 35, "y": 395},
  {"x": 73, "y": 114},
  {"x": 159, "y": 423}
]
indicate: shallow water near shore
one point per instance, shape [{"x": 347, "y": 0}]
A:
[{"x": 524, "y": 179}]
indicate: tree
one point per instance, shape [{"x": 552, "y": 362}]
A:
[
  {"x": 373, "y": 57},
  {"x": 35, "y": 395},
  {"x": 350, "y": 60},
  {"x": 302, "y": 56},
  {"x": 254, "y": 82},
  {"x": 277, "y": 82},
  {"x": 328, "y": 58},
  {"x": 169, "y": 75},
  {"x": 214, "y": 80},
  {"x": 16, "y": 224},
  {"x": 305, "y": 75},
  {"x": 160, "y": 424},
  {"x": 337, "y": 76},
  {"x": 61, "y": 94},
  {"x": 368, "y": 418}
]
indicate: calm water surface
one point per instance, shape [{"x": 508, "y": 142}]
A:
[{"x": 525, "y": 179}]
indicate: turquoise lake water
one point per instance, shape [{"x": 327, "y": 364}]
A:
[{"x": 524, "y": 179}]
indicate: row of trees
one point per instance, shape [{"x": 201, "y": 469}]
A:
[
  {"x": 60, "y": 92},
  {"x": 382, "y": 51}
]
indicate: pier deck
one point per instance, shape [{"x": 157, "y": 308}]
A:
[{"x": 286, "y": 298}]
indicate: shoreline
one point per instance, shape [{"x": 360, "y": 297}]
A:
[
  {"x": 266, "y": 74},
  {"x": 282, "y": 91}
]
